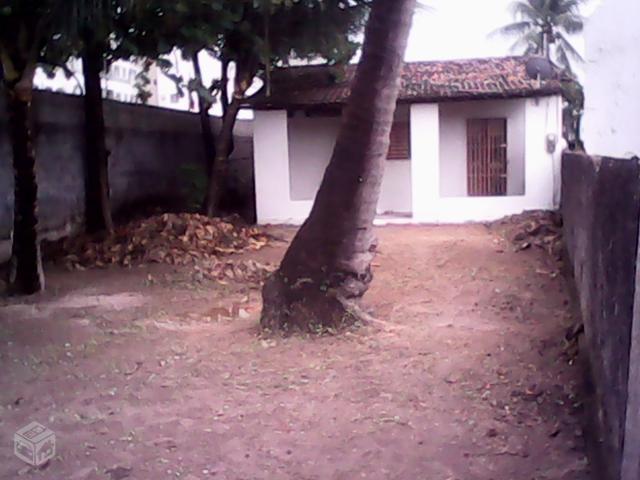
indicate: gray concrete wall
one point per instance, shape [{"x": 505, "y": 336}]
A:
[
  {"x": 149, "y": 149},
  {"x": 601, "y": 210},
  {"x": 631, "y": 452}
]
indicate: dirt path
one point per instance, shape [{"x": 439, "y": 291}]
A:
[{"x": 142, "y": 374}]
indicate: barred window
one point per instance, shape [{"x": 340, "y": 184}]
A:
[{"x": 400, "y": 144}]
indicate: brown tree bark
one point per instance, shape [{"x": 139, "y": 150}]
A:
[
  {"x": 245, "y": 72},
  {"x": 97, "y": 204},
  {"x": 25, "y": 276},
  {"x": 224, "y": 85},
  {"x": 327, "y": 268},
  {"x": 204, "y": 105},
  {"x": 219, "y": 166}
]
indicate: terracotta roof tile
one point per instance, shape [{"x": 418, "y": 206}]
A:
[{"x": 504, "y": 77}]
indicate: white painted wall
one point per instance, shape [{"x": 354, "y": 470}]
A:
[
  {"x": 311, "y": 142},
  {"x": 408, "y": 186},
  {"x": 612, "y": 79},
  {"x": 271, "y": 164},
  {"x": 395, "y": 196},
  {"x": 425, "y": 167},
  {"x": 542, "y": 116},
  {"x": 542, "y": 182},
  {"x": 453, "y": 143}
]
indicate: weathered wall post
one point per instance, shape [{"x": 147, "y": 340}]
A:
[
  {"x": 601, "y": 212},
  {"x": 631, "y": 453}
]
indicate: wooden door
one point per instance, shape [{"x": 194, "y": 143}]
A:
[{"x": 487, "y": 157}]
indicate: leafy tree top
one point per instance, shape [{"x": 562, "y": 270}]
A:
[{"x": 543, "y": 27}]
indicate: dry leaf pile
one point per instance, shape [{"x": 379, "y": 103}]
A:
[
  {"x": 247, "y": 271},
  {"x": 538, "y": 228},
  {"x": 174, "y": 239}
]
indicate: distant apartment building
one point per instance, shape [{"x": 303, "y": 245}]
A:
[
  {"x": 119, "y": 82},
  {"x": 168, "y": 94},
  {"x": 60, "y": 81}
]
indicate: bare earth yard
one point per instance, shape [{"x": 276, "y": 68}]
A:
[{"x": 144, "y": 374}]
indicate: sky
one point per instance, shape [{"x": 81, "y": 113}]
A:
[
  {"x": 451, "y": 29},
  {"x": 454, "y": 29}
]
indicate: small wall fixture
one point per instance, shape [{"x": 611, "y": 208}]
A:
[{"x": 552, "y": 142}]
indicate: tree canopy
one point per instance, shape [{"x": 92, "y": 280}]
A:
[
  {"x": 254, "y": 35},
  {"x": 543, "y": 27}
]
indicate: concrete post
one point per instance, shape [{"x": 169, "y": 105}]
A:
[
  {"x": 425, "y": 161},
  {"x": 631, "y": 451}
]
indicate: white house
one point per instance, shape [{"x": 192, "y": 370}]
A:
[
  {"x": 473, "y": 140},
  {"x": 612, "y": 79}
]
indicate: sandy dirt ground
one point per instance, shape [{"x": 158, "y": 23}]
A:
[{"x": 143, "y": 373}]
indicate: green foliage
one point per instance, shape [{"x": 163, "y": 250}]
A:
[
  {"x": 304, "y": 29},
  {"x": 142, "y": 83},
  {"x": 51, "y": 31},
  {"x": 254, "y": 35},
  {"x": 573, "y": 93},
  {"x": 155, "y": 27},
  {"x": 194, "y": 182},
  {"x": 257, "y": 35},
  {"x": 542, "y": 27},
  {"x": 25, "y": 27}
]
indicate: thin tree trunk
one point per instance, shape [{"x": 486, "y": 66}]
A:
[
  {"x": 327, "y": 268},
  {"x": 547, "y": 40},
  {"x": 267, "y": 44},
  {"x": 26, "y": 276},
  {"x": 208, "y": 139},
  {"x": 224, "y": 85},
  {"x": 218, "y": 172},
  {"x": 97, "y": 204},
  {"x": 246, "y": 69},
  {"x": 577, "y": 123},
  {"x": 224, "y": 98}
]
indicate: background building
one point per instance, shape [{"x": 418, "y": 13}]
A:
[
  {"x": 119, "y": 83},
  {"x": 472, "y": 140}
]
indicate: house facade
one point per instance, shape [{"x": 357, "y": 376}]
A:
[
  {"x": 472, "y": 140},
  {"x": 612, "y": 76}
]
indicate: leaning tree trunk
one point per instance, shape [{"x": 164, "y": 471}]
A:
[
  {"x": 97, "y": 205},
  {"x": 25, "y": 276},
  {"x": 327, "y": 268}
]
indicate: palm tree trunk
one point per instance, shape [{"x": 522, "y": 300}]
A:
[
  {"x": 97, "y": 205},
  {"x": 327, "y": 268},
  {"x": 26, "y": 276},
  {"x": 208, "y": 139}
]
